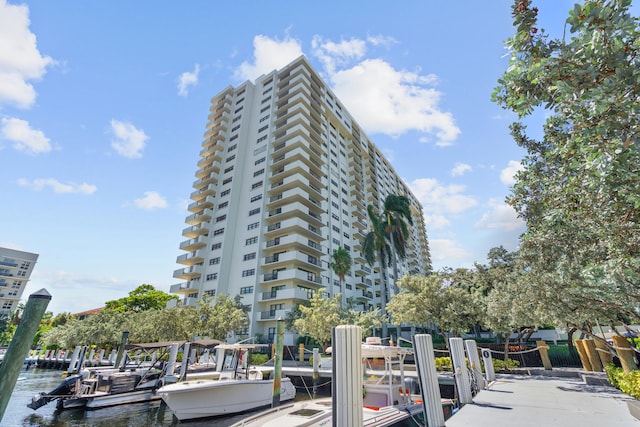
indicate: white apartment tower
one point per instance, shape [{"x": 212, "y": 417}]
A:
[
  {"x": 284, "y": 178},
  {"x": 15, "y": 270}
]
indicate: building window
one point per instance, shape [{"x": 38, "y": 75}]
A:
[
  {"x": 225, "y": 192},
  {"x": 264, "y": 118},
  {"x": 264, "y": 109},
  {"x": 250, "y": 256},
  {"x": 235, "y": 128},
  {"x": 257, "y": 162},
  {"x": 230, "y": 158},
  {"x": 229, "y": 169},
  {"x": 263, "y": 128},
  {"x": 221, "y": 218},
  {"x": 223, "y": 205},
  {"x": 254, "y": 211},
  {"x": 246, "y": 290},
  {"x": 262, "y": 138},
  {"x": 249, "y": 272},
  {"x": 216, "y": 246},
  {"x": 228, "y": 180},
  {"x": 265, "y": 100},
  {"x": 259, "y": 150},
  {"x": 253, "y": 225},
  {"x": 251, "y": 241},
  {"x": 214, "y": 261},
  {"x": 259, "y": 172},
  {"x": 256, "y": 185},
  {"x": 210, "y": 293},
  {"x": 233, "y": 147},
  {"x": 218, "y": 232},
  {"x": 212, "y": 276},
  {"x": 256, "y": 198}
]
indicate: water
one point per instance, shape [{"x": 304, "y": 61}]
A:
[{"x": 35, "y": 380}]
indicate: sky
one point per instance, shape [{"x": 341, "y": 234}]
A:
[{"x": 103, "y": 107}]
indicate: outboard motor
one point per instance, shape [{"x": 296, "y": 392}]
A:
[{"x": 66, "y": 388}]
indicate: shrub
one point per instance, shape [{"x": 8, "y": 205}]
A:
[
  {"x": 626, "y": 383},
  {"x": 499, "y": 365},
  {"x": 259, "y": 358},
  {"x": 443, "y": 363}
]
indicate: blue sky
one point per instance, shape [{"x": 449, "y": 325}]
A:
[{"x": 103, "y": 107}]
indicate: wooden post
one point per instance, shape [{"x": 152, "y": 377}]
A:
[
  {"x": 20, "y": 344},
  {"x": 123, "y": 343},
  {"x": 592, "y": 354},
  {"x": 603, "y": 353},
  {"x": 626, "y": 356},
  {"x": 583, "y": 355},
  {"x": 316, "y": 370},
  {"x": 301, "y": 352},
  {"x": 544, "y": 355}
]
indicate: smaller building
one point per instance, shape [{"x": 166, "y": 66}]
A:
[{"x": 15, "y": 270}]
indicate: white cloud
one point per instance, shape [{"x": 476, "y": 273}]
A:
[
  {"x": 333, "y": 54},
  {"x": 441, "y": 199},
  {"x": 57, "y": 186},
  {"x": 460, "y": 168},
  {"x": 269, "y": 54},
  {"x": 508, "y": 174},
  {"x": 188, "y": 79},
  {"x": 381, "y": 98},
  {"x": 25, "y": 139},
  {"x": 152, "y": 200},
  {"x": 389, "y": 101},
  {"x": 129, "y": 141},
  {"x": 502, "y": 217},
  {"x": 447, "y": 250},
  {"x": 20, "y": 60},
  {"x": 381, "y": 40}
]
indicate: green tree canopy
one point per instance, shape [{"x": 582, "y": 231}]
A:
[
  {"x": 144, "y": 297},
  {"x": 440, "y": 298},
  {"x": 579, "y": 190}
]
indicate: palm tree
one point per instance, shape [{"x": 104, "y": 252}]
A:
[
  {"x": 374, "y": 245},
  {"x": 341, "y": 265},
  {"x": 396, "y": 215}
]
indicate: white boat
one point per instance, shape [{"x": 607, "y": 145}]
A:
[
  {"x": 96, "y": 388},
  {"x": 238, "y": 389},
  {"x": 387, "y": 399}
]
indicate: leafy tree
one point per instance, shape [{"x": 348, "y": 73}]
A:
[
  {"x": 216, "y": 318},
  {"x": 319, "y": 318},
  {"x": 579, "y": 190},
  {"x": 437, "y": 298},
  {"x": 323, "y": 314},
  {"x": 144, "y": 297},
  {"x": 341, "y": 266}
]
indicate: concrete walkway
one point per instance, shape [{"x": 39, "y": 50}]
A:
[{"x": 541, "y": 400}]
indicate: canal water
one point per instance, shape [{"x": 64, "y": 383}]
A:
[{"x": 35, "y": 380}]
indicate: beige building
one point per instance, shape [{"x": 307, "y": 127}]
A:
[
  {"x": 15, "y": 270},
  {"x": 284, "y": 178}
]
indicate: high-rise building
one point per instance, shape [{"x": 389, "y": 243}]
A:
[
  {"x": 284, "y": 178},
  {"x": 15, "y": 270}
]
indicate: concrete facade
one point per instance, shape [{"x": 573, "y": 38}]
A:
[
  {"x": 284, "y": 178},
  {"x": 15, "y": 270}
]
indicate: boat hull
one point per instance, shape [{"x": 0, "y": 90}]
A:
[
  {"x": 210, "y": 398},
  {"x": 94, "y": 401}
]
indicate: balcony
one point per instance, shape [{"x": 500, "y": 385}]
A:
[
  {"x": 295, "y": 276},
  {"x": 272, "y": 314},
  {"x": 293, "y": 242},
  {"x": 292, "y": 226},
  {"x": 198, "y": 207},
  {"x": 188, "y": 273},
  {"x": 193, "y": 244},
  {"x": 191, "y": 258},
  {"x": 196, "y": 230},
  {"x": 181, "y": 288},
  {"x": 195, "y": 219},
  {"x": 288, "y": 294},
  {"x": 293, "y": 259},
  {"x": 200, "y": 194}
]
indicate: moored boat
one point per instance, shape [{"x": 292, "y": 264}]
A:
[{"x": 237, "y": 389}]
